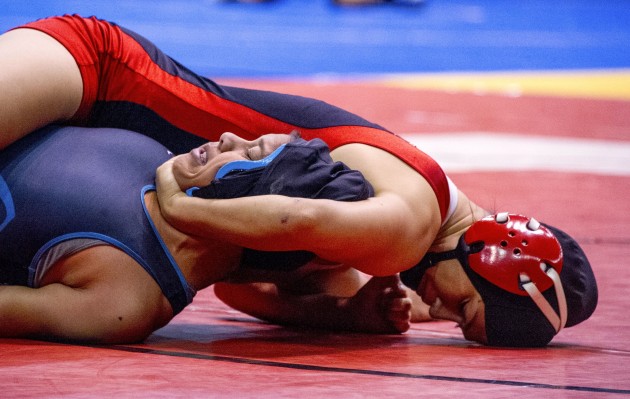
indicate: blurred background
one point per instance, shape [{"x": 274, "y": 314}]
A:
[{"x": 306, "y": 38}]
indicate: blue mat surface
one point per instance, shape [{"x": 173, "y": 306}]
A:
[{"x": 312, "y": 37}]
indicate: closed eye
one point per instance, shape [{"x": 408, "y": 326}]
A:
[{"x": 252, "y": 154}]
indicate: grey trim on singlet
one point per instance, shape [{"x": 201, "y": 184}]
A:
[{"x": 55, "y": 253}]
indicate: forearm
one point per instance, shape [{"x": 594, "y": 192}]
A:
[
  {"x": 379, "y": 306},
  {"x": 16, "y": 318},
  {"x": 56, "y": 311},
  {"x": 319, "y": 311},
  {"x": 266, "y": 302},
  {"x": 269, "y": 222}
]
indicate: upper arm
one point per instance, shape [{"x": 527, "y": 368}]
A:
[
  {"x": 61, "y": 312},
  {"x": 54, "y": 310},
  {"x": 87, "y": 298},
  {"x": 395, "y": 228},
  {"x": 380, "y": 236}
]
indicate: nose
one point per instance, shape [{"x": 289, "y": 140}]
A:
[{"x": 230, "y": 142}]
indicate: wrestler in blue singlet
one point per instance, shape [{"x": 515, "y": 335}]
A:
[{"x": 65, "y": 189}]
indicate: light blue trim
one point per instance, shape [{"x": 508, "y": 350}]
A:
[
  {"x": 7, "y": 200},
  {"x": 190, "y": 292},
  {"x": 247, "y": 165}
]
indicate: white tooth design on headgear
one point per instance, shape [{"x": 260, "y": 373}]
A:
[
  {"x": 502, "y": 217},
  {"x": 533, "y": 224}
]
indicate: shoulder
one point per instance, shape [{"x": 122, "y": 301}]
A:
[
  {"x": 389, "y": 175},
  {"x": 404, "y": 213}
]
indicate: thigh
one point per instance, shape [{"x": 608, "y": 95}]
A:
[{"x": 40, "y": 83}]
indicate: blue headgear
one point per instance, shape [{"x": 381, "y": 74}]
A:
[{"x": 242, "y": 165}]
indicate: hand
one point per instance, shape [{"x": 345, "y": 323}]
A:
[
  {"x": 168, "y": 190},
  {"x": 381, "y": 306}
]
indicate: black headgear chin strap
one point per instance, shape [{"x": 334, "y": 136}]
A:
[{"x": 412, "y": 277}]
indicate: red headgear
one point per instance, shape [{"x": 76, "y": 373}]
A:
[
  {"x": 512, "y": 252},
  {"x": 514, "y": 245},
  {"x": 520, "y": 256}
]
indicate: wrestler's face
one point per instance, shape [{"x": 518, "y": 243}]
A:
[
  {"x": 199, "y": 167},
  {"x": 451, "y": 296}
]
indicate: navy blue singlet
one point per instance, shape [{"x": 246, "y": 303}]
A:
[{"x": 60, "y": 184}]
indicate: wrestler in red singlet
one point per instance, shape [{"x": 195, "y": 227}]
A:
[{"x": 129, "y": 83}]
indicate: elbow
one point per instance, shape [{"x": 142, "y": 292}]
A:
[{"x": 399, "y": 250}]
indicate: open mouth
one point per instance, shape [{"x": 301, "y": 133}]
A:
[{"x": 201, "y": 155}]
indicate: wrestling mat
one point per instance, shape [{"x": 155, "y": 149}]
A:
[{"x": 553, "y": 142}]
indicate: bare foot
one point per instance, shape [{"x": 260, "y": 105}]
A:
[{"x": 382, "y": 305}]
